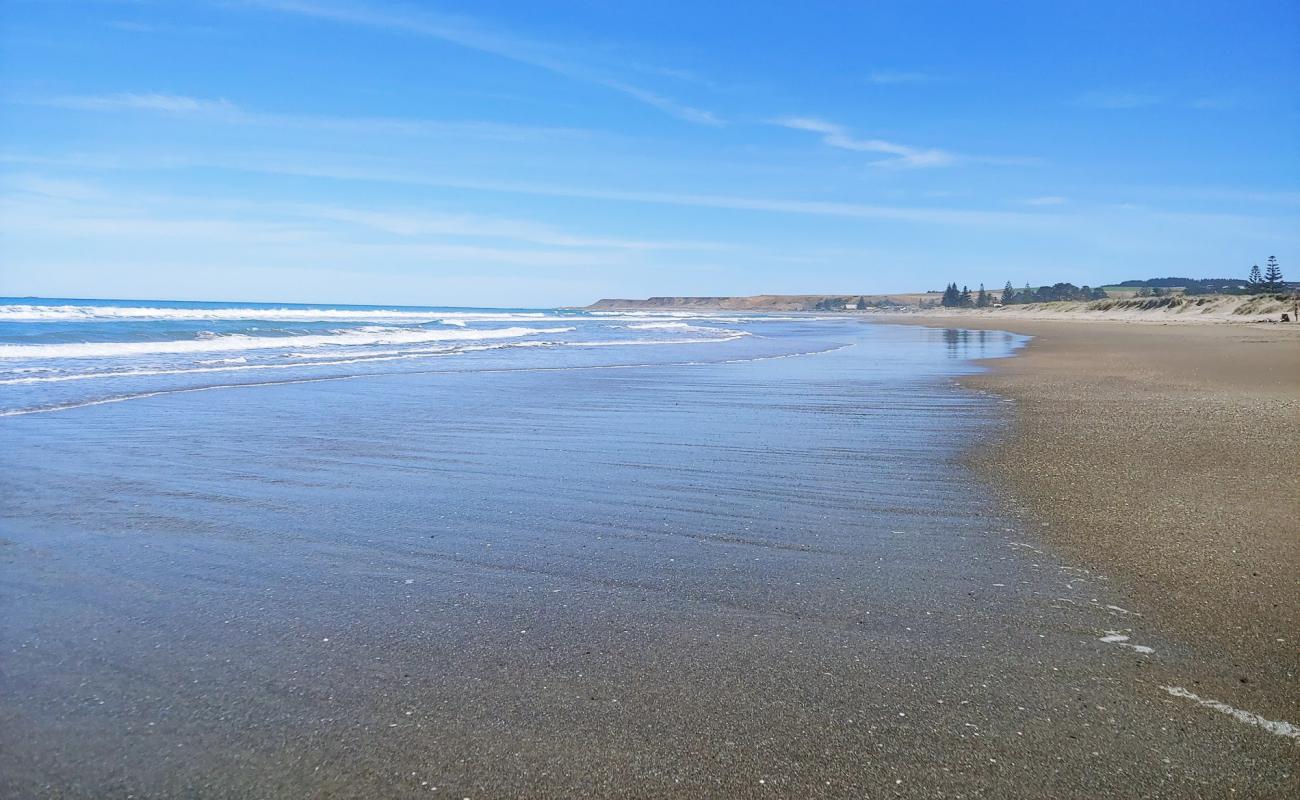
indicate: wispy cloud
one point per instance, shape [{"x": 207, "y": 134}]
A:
[
  {"x": 59, "y": 205},
  {"x": 47, "y": 187},
  {"x": 411, "y": 223},
  {"x": 128, "y": 101},
  {"x": 1117, "y": 100},
  {"x": 888, "y": 76},
  {"x": 473, "y": 35},
  {"x": 1047, "y": 200},
  {"x": 838, "y": 136},
  {"x": 1126, "y": 100},
  {"x": 406, "y": 175},
  {"x": 132, "y": 26},
  {"x": 224, "y": 111},
  {"x": 1215, "y": 102}
]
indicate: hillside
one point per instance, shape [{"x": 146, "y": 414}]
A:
[
  {"x": 1202, "y": 308},
  {"x": 1176, "y": 308},
  {"x": 767, "y": 302}
]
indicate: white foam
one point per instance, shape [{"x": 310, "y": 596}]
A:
[
  {"x": 731, "y": 336},
  {"x": 1272, "y": 726},
  {"x": 211, "y": 343},
  {"x": 650, "y": 326},
  {"x": 701, "y": 316},
  {"x": 1115, "y": 637},
  {"x": 322, "y": 359},
  {"x": 49, "y": 409},
  {"x": 38, "y": 313}
]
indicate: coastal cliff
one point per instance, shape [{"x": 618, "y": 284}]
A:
[
  {"x": 762, "y": 302},
  {"x": 1175, "y": 308}
]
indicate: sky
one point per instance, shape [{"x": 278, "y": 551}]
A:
[{"x": 530, "y": 154}]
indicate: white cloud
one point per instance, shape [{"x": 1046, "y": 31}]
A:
[
  {"x": 472, "y": 35},
  {"x": 52, "y": 187},
  {"x": 1215, "y": 102},
  {"x": 130, "y": 101},
  {"x": 224, "y": 111},
  {"x": 412, "y": 223},
  {"x": 315, "y": 168},
  {"x": 837, "y": 136},
  {"x": 73, "y": 210},
  {"x": 1117, "y": 100},
  {"x": 885, "y": 77}
]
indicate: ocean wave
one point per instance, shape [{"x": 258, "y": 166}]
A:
[
  {"x": 121, "y": 398},
  {"x": 320, "y": 360},
  {"x": 650, "y": 326},
  {"x": 208, "y": 344},
  {"x": 731, "y": 336},
  {"x": 39, "y": 313},
  {"x": 683, "y": 327},
  {"x": 699, "y": 316}
]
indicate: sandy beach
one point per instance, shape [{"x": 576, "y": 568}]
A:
[{"x": 1166, "y": 457}]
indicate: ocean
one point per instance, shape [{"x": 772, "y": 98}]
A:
[{"x": 58, "y": 354}]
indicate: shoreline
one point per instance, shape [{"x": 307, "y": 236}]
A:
[{"x": 1164, "y": 456}]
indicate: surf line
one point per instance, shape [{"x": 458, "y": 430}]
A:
[
  {"x": 20, "y": 412},
  {"x": 1272, "y": 726}
]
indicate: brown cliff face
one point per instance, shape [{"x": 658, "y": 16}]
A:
[{"x": 761, "y": 302}]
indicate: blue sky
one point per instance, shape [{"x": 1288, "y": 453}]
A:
[{"x": 535, "y": 154}]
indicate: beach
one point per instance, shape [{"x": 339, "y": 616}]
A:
[
  {"x": 1166, "y": 455},
  {"x": 754, "y": 561}
]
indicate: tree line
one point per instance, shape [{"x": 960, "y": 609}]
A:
[
  {"x": 964, "y": 298},
  {"x": 1258, "y": 281}
]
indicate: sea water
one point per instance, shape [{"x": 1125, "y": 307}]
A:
[{"x": 63, "y": 353}]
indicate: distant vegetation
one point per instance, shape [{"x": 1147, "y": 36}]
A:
[
  {"x": 1266, "y": 281},
  {"x": 962, "y": 298}
]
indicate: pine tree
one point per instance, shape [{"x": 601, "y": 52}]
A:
[
  {"x": 951, "y": 297},
  {"x": 1273, "y": 274},
  {"x": 1027, "y": 294},
  {"x": 1255, "y": 278},
  {"x": 1008, "y": 294},
  {"x": 965, "y": 299},
  {"x": 982, "y": 300}
]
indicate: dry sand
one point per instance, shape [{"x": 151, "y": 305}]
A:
[{"x": 1167, "y": 456}]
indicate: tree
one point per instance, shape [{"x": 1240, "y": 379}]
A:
[
  {"x": 1026, "y": 295},
  {"x": 1008, "y": 294},
  {"x": 965, "y": 300},
  {"x": 983, "y": 300},
  {"x": 1273, "y": 274},
  {"x": 1255, "y": 278},
  {"x": 951, "y": 297}
]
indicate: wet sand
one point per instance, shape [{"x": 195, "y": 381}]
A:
[
  {"x": 764, "y": 579},
  {"x": 1167, "y": 456}
]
